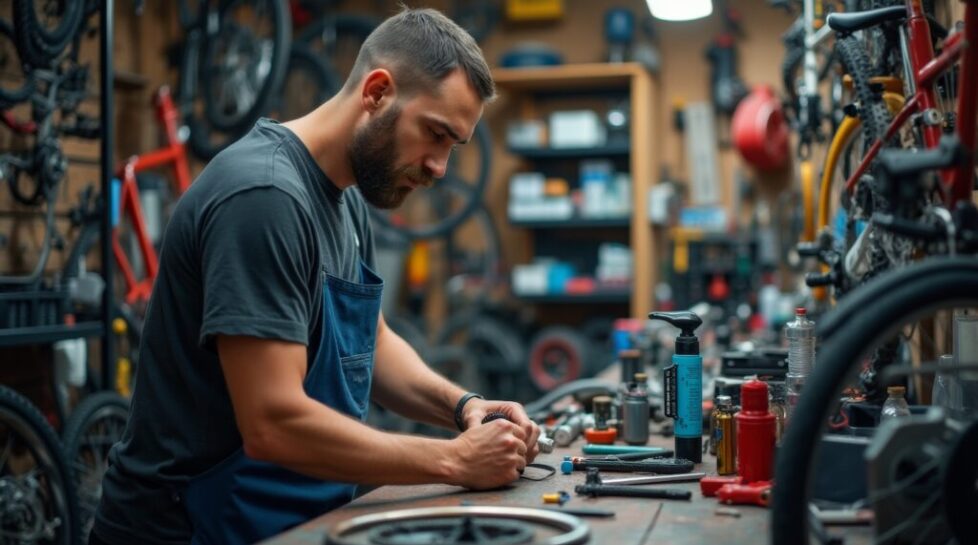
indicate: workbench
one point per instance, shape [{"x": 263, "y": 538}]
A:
[{"x": 637, "y": 521}]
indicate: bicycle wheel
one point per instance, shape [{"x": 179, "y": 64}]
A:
[
  {"x": 309, "y": 82},
  {"x": 244, "y": 62},
  {"x": 872, "y": 111},
  {"x": 337, "y": 38},
  {"x": 92, "y": 428},
  {"x": 870, "y": 314},
  {"x": 45, "y": 28},
  {"x": 16, "y": 84},
  {"x": 37, "y": 496}
]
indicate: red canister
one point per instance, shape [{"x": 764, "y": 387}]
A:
[{"x": 755, "y": 434}]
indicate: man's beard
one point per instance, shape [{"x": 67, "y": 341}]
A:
[{"x": 372, "y": 153}]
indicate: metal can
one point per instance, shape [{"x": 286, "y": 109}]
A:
[{"x": 725, "y": 436}]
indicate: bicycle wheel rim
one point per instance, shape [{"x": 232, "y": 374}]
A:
[
  {"x": 275, "y": 48},
  {"x": 19, "y": 415},
  {"x": 912, "y": 291}
]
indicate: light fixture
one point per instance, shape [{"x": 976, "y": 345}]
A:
[{"x": 680, "y": 10}]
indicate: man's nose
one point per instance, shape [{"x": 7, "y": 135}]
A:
[{"x": 437, "y": 165}]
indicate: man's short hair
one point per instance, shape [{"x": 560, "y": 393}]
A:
[{"x": 421, "y": 47}]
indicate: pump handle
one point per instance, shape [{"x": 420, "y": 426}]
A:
[{"x": 685, "y": 320}]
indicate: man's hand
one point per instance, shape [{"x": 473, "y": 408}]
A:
[
  {"x": 489, "y": 455},
  {"x": 477, "y": 409}
]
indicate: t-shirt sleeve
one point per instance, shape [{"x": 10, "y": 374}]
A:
[{"x": 258, "y": 268}]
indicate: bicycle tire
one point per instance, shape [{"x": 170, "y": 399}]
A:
[
  {"x": 18, "y": 415},
  {"x": 844, "y": 335},
  {"x": 11, "y": 96},
  {"x": 93, "y": 410},
  {"x": 37, "y": 45},
  {"x": 872, "y": 109},
  {"x": 481, "y": 138},
  {"x": 241, "y": 120},
  {"x": 322, "y": 83}
]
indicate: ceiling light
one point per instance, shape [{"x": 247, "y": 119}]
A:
[{"x": 680, "y": 10}]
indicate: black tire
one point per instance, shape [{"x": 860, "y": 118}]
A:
[
  {"x": 872, "y": 111},
  {"x": 861, "y": 320},
  {"x": 265, "y": 86},
  {"x": 10, "y": 63},
  {"x": 39, "y": 45},
  {"x": 560, "y": 349},
  {"x": 312, "y": 80},
  {"x": 87, "y": 456},
  {"x": 22, "y": 427}
]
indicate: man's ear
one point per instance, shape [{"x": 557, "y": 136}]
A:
[{"x": 378, "y": 86}]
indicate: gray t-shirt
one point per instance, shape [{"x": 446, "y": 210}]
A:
[{"x": 242, "y": 255}]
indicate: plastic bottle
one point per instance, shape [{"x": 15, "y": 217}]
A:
[
  {"x": 756, "y": 428},
  {"x": 635, "y": 409},
  {"x": 801, "y": 357},
  {"x": 895, "y": 405}
]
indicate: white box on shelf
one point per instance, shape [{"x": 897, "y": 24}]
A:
[
  {"x": 530, "y": 279},
  {"x": 551, "y": 208},
  {"x": 528, "y": 134},
  {"x": 526, "y": 186},
  {"x": 576, "y": 129}
]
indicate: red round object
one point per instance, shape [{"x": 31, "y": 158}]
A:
[
  {"x": 601, "y": 437},
  {"x": 755, "y": 434},
  {"x": 760, "y": 131}
]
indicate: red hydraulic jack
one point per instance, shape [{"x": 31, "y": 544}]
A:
[{"x": 733, "y": 491}]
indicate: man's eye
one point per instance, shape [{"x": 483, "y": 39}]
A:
[{"x": 438, "y": 136}]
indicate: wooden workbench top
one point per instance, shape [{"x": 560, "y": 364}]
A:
[{"x": 637, "y": 521}]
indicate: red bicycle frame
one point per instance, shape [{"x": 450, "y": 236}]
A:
[
  {"x": 925, "y": 67},
  {"x": 173, "y": 154}
]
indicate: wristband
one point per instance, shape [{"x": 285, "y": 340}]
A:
[{"x": 461, "y": 405}]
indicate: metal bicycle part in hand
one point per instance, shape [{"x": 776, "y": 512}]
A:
[
  {"x": 544, "y": 443},
  {"x": 454, "y": 525}
]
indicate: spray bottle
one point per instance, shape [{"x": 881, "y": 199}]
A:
[{"x": 683, "y": 388}]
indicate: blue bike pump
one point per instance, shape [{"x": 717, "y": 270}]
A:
[{"x": 683, "y": 388}]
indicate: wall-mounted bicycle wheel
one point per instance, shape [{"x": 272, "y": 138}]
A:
[
  {"x": 45, "y": 27},
  {"x": 37, "y": 494},
  {"x": 92, "y": 428},
  {"x": 16, "y": 83},
  {"x": 244, "y": 62}
]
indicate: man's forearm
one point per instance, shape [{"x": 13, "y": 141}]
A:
[
  {"x": 404, "y": 384},
  {"x": 320, "y": 442}
]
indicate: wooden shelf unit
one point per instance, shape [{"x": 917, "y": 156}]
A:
[{"x": 526, "y": 85}]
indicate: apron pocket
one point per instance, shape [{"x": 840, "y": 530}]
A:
[{"x": 357, "y": 371}]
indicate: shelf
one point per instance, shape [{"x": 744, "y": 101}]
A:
[
  {"x": 49, "y": 333},
  {"x": 569, "y": 76},
  {"x": 603, "y": 296},
  {"x": 572, "y": 223},
  {"x": 614, "y": 150}
]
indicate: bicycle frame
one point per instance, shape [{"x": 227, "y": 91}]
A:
[
  {"x": 173, "y": 154},
  {"x": 925, "y": 68}
]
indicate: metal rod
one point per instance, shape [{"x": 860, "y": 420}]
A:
[
  {"x": 655, "y": 479},
  {"x": 106, "y": 22}
]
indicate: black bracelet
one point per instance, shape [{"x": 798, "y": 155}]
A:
[{"x": 461, "y": 405}]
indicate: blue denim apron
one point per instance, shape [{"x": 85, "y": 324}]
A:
[{"x": 241, "y": 500}]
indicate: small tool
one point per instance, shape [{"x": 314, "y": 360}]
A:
[
  {"x": 593, "y": 487},
  {"x": 622, "y": 449},
  {"x": 560, "y": 498},
  {"x": 629, "y": 457},
  {"x": 657, "y": 479},
  {"x": 710, "y": 485},
  {"x": 666, "y": 466},
  {"x": 757, "y": 493},
  {"x": 544, "y": 443}
]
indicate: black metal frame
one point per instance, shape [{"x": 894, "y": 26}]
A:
[{"x": 50, "y": 333}]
